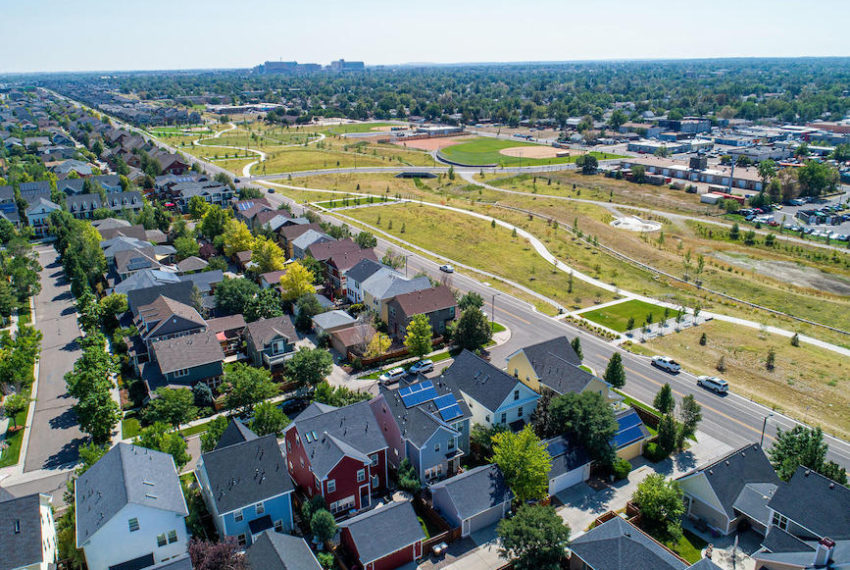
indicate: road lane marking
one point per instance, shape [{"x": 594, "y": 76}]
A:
[{"x": 517, "y": 317}]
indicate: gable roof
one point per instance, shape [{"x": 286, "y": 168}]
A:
[
  {"x": 333, "y": 319},
  {"x": 479, "y": 379},
  {"x": 204, "y": 280},
  {"x": 816, "y": 503},
  {"x": 384, "y": 530},
  {"x": 163, "y": 308},
  {"x": 335, "y": 433},
  {"x": 20, "y": 532},
  {"x": 566, "y": 455},
  {"x": 426, "y": 301},
  {"x": 187, "y": 351},
  {"x": 144, "y": 279},
  {"x": 138, "y": 231},
  {"x": 729, "y": 475},
  {"x": 556, "y": 365},
  {"x": 323, "y": 251},
  {"x": 476, "y": 490},
  {"x": 363, "y": 269},
  {"x": 191, "y": 263},
  {"x": 618, "y": 544},
  {"x": 180, "y": 291},
  {"x": 261, "y": 332},
  {"x": 44, "y": 203},
  {"x": 387, "y": 283},
  {"x": 278, "y": 551},
  {"x": 294, "y": 231},
  {"x": 310, "y": 237},
  {"x": 126, "y": 474},
  {"x": 246, "y": 473},
  {"x": 348, "y": 259},
  {"x": 137, "y": 259},
  {"x": 235, "y": 432}
]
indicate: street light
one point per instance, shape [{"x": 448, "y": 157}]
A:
[{"x": 763, "y": 427}]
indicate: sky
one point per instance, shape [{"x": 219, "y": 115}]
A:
[{"x": 89, "y": 35}]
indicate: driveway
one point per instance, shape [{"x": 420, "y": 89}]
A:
[
  {"x": 485, "y": 555},
  {"x": 55, "y": 434}
]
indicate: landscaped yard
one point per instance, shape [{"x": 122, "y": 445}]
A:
[
  {"x": 689, "y": 546},
  {"x": 13, "y": 441},
  {"x": 616, "y": 317},
  {"x": 130, "y": 427}
]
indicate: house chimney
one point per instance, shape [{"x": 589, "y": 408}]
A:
[{"x": 823, "y": 552}]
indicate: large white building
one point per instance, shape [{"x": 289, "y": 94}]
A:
[{"x": 27, "y": 533}]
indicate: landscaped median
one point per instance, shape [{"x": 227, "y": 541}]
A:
[{"x": 627, "y": 315}]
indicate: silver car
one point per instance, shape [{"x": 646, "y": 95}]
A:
[{"x": 713, "y": 383}]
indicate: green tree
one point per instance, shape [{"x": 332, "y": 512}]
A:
[
  {"x": 307, "y": 307},
  {"x": 296, "y": 282},
  {"x": 171, "y": 406},
  {"x": 214, "y": 221},
  {"x": 576, "y": 344},
  {"x": 98, "y": 414},
  {"x": 690, "y": 415},
  {"x": 817, "y": 177},
  {"x": 268, "y": 418},
  {"x": 338, "y": 396},
  {"x": 216, "y": 427},
  {"x": 589, "y": 164},
  {"x": 473, "y": 330},
  {"x": 535, "y": 538},
  {"x": 767, "y": 170},
  {"x": 202, "y": 395},
  {"x": 237, "y": 237},
  {"x": 804, "y": 447},
  {"x": 735, "y": 232},
  {"x": 323, "y": 525},
  {"x": 232, "y": 295},
  {"x": 315, "y": 267},
  {"x": 664, "y": 401},
  {"x": 309, "y": 366},
  {"x": 470, "y": 300},
  {"x": 587, "y": 418},
  {"x": 615, "y": 374},
  {"x": 366, "y": 240},
  {"x": 198, "y": 207},
  {"x": 158, "y": 437},
  {"x": 14, "y": 405},
  {"x": 667, "y": 434},
  {"x": 266, "y": 304},
  {"x": 247, "y": 386},
  {"x": 524, "y": 462},
  {"x": 661, "y": 505},
  {"x": 408, "y": 479},
  {"x": 186, "y": 247},
  {"x": 418, "y": 338},
  {"x": 267, "y": 255}
]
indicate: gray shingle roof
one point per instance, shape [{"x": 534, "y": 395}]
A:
[
  {"x": 310, "y": 237},
  {"x": 479, "y": 379},
  {"x": 235, "y": 432},
  {"x": 137, "y": 259},
  {"x": 617, "y": 544},
  {"x": 144, "y": 279},
  {"x": 804, "y": 558},
  {"x": 277, "y": 551},
  {"x": 246, "y": 473},
  {"x": 363, "y": 269},
  {"x": 556, "y": 365},
  {"x": 187, "y": 351},
  {"x": 179, "y": 291},
  {"x": 778, "y": 540},
  {"x": 204, "y": 280},
  {"x": 386, "y": 283},
  {"x": 753, "y": 500},
  {"x": 476, "y": 490},
  {"x": 566, "y": 455},
  {"x": 191, "y": 263},
  {"x": 426, "y": 301},
  {"x": 815, "y": 502},
  {"x": 419, "y": 423},
  {"x": 126, "y": 474},
  {"x": 332, "y": 319},
  {"x": 263, "y": 331},
  {"x": 21, "y": 548},
  {"x": 704, "y": 564},
  {"x": 384, "y": 530}
]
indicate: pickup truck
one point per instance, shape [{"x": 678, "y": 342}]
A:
[{"x": 667, "y": 364}]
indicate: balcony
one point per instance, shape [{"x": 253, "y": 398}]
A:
[{"x": 271, "y": 360}]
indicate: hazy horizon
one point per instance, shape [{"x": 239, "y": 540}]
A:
[{"x": 45, "y": 36}]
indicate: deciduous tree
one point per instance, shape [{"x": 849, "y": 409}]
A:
[
  {"x": 418, "y": 338},
  {"x": 525, "y": 463},
  {"x": 237, "y": 237},
  {"x": 247, "y": 386},
  {"x": 268, "y": 418},
  {"x": 309, "y": 366},
  {"x": 661, "y": 506},
  {"x": 158, "y": 437},
  {"x": 267, "y": 255},
  {"x": 535, "y": 538},
  {"x": 473, "y": 330},
  {"x": 296, "y": 282}
]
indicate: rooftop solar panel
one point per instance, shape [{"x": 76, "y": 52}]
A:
[
  {"x": 628, "y": 420},
  {"x": 448, "y": 407},
  {"x": 628, "y": 436},
  {"x": 416, "y": 394}
]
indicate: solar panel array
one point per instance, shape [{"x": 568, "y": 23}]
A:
[
  {"x": 630, "y": 430},
  {"x": 416, "y": 394},
  {"x": 448, "y": 408}
]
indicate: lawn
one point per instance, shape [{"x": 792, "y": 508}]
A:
[
  {"x": 194, "y": 430},
  {"x": 357, "y": 127},
  {"x": 130, "y": 427},
  {"x": 689, "y": 546},
  {"x": 298, "y": 158},
  {"x": 616, "y": 317},
  {"x": 12, "y": 453},
  {"x": 497, "y": 327},
  {"x": 485, "y": 151},
  {"x": 352, "y": 201}
]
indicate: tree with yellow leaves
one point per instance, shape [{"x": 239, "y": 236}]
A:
[
  {"x": 297, "y": 282},
  {"x": 379, "y": 344},
  {"x": 237, "y": 237},
  {"x": 267, "y": 255}
]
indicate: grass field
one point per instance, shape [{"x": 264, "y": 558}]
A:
[
  {"x": 352, "y": 201},
  {"x": 356, "y": 127},
  {"x": 474, "y": 242},
  {"x": 296, "y": 159},
  {"x": 808, "y": 383},
  {"x": 485, "y": 150},
  {"x": 616, "y": 317}
]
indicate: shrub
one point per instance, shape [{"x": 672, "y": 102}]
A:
[
  {"x": 621, "y": 468},
  {"x": 653, "y": 452}
]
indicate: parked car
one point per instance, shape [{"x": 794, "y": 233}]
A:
[
  {"x": 667, "y": 364},
  {"x": 236, "y": 181},
  {"x": 713, "y": 383},
  {"x": 426, "y": 365},
  {"x": 391, "y": 376},
  {"x": 447, "y": 268}
]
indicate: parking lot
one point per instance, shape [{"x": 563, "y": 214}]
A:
[{"x": 787, "y": 216}]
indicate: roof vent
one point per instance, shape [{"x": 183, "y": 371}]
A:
[
  {"x": 807, "y": 473},
  {"x": 832, "y": 485},
  {"x": 728, "y": 463}
]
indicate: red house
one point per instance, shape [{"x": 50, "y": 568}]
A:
[
  {"x": 385, "y": 537},
  {"x": 338, "y": 453}
]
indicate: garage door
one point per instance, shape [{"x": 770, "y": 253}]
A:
[
  {"x": 482, "y": 520},
  {"x": 565, "y": 481}
]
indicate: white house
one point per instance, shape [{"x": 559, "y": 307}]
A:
[
  {"x": 130, "y": 510},
  {"x": 27, "y": 533}
]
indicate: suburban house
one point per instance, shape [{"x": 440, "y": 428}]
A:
[
  {"x": 338, "y": 453},
  {"x": 618, "y": 544},
  {"x": 387, "y": 284},
  {"x": 734, "y": 488},
  {"x": 130, "y": 261},
  {"x": 185, "y": 361},
  {"x": 145, "y": 279},
  {"x": 494, "y": 397},
  {"x": 130, "y": 510},
  {"x": 37, "y": 213},
  {"x": 426, "y": 423},
  {"x": 166, "y": 318},
  {"x": 353, "y": 338},
  {"x": 570, "y": 464},
  {"x": 270, "y": 342},
  {"x": 632, "y": 434},
  {"x": 473, "y": 500},
  {"x": 246, "y": 487},
  {"x": 228, "y": 332},
  {"x": 287, "y": 234},
  {"x": 271, "y": 280},
  {"x": 278, "y": 551},
  {"x": 338, "y": 265},
  {"x": 143, "y": 296},
  {"x": 384, "y": 538},
  {"x": 437, "y": 303},
  {"x": 553, "y": 365},
  {"x": 170, "y": 163},
  {"x": 356, "y": 275},
  {"x": 191, "y": 264},
  {"x": 27, "y": 533}
]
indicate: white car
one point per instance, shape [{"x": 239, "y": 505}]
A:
[
  {"x": 667, "y": 364},
  {"x": 392, "y": 375},
  {"x": 713, "y": 383},
  {"x": 447, "y": 268},
  {"x": 426, "y": 365}
]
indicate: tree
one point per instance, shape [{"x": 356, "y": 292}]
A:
[
  {"x": 8, "y": 300},
  {"x": 379, "y": 344},
  {"x": 171, "y": 406},
  {"x": 667, "y": 434},
  {"x": 222, "y": 555},
  {"x": 264, "y": 305},
  {"x": 268, "y": 418},
  {"x": 392, "y": 259},
  {"x": 237, "y": 237},
  {"x": 186, "y": 247},
  {"x": 366, "y": 240},
  {"x": 589, "y": 165},
  {"x": 232, "y": 295},
  {"x": 246, "y": 386},
  {"x": 98, "y": 414},
  {"x": 198, "y": 207},
  {"x": 296, "y": 282},
  {"x": 158, "y": 437},
  {"x": 576, "y": 344},
  {"x": 690, "y": 415},
  {"x": 524, "y": 462},
  {"x": 307, "y": 307},
  {"x": 589, "y": 419},
  {"x": 408, "y": 479},
  {"x": 534, "y": 539},
  {"x": 470, "y": 300},
  {"x": 615, "y": 374},
  {"x": 418, "y": 338},
  {"x": 767, "y": 170},
  {"x": 816, "y": 177},
  {"x": 315, "y": 267},
  {"x": 473, "y": 330},
  {"x": 804, "y": 447},
  {"x": 202, "y": 395},
  {"x": 664, "y": 401},
  {"x": 14, "y": 405},
  {"x": 267, "y": 255},
  {"x": 111, "y": 307},
  {"x": 338, "y": 396},
  {"x": 309, "y": 366},
  {"x": 638, "y": 173},
  {"x": 214, "y": 221},
  {"x": 735, "y": 232},
  {"x": 323, "y": 525},
  {"x": 216, "y": 427},
  {"x": 661, "y": 506}
]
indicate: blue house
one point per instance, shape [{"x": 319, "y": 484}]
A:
[
  {"x": 246, "y": 485},
  {"x": 185, "y": 361}
]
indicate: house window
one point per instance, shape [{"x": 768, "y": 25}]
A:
[
  {"x": 331, "y": 485},
  {"x": 161, "y": 540},
  {"x": 288, "y": 446},
  {"x": 361, "y": 475},
  {"x": 181, "y": 373},
  {"x": 172, "y": 536},
  {"x": 516, "y": 395},
  {"x": 241, "y": 540},
  {"x": 278, "y": 525},
  {"x": 374, "y": 459},
  {"x": 237, "y": 516},
  {"x": 451, "y": 444},
  {"x": 133, "y": 524},
  {"x": 375, "y": 481},
  {"x": 487, "y": 419},
  {"x": 261, "y": 508},
  {"x": 516, "y": 372},
  {"x": 780, "y": 520},
  {"x": 504, "y": 417},
  {"x": 519, "y": 412},
  {"x": 437, "y": 447}
]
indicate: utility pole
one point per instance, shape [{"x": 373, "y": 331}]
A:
[{"x": 493, "y": 309}]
